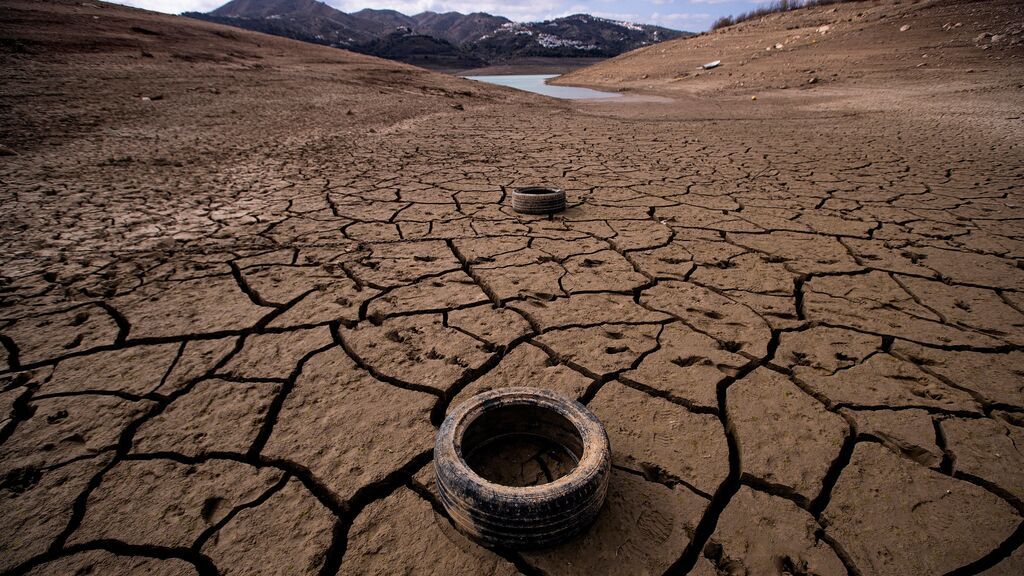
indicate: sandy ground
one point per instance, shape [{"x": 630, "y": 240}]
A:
[{"x": 243, "y": 280}]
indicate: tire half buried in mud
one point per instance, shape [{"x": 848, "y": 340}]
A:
[
  {"x": 538, "y": 200},
  {"x": 520, "y": 517}
]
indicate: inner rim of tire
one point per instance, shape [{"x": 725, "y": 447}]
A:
[
  {"x": 522, "y": 445},
  {"x": 537, "y": 190}
]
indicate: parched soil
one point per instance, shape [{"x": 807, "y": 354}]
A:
[{"x": 243, "y": 279}]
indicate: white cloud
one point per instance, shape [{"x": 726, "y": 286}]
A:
[
  {"x": 682, "y": 20},
  {"x": 174, "y": 6},
  {"x": 621, "y": 16},
  {"x": 608, "y": 15}
]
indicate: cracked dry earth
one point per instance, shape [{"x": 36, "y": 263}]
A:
[{"x": 808, "y": 356}]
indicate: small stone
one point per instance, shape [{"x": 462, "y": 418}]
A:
[
  {"x": 905, "y": 27},
  {"x": 812, "y": 80},
  {"x": 458, "y": 107},
  {"x": 753, "y": 97}
]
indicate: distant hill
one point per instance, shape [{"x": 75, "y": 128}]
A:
[
  {"x": 387, "y": 19},
  {"x": 421, "y": 50},
  {"x": 576, "y": 35},
  {"x": 306, "y": 20},
  {"x": 438, "y": 40},
  {"x": 458, "y": 28}
]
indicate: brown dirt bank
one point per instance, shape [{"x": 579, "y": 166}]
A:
[
  {"x": 243, "y": 279},
  {"x": 861, "y": 45}
]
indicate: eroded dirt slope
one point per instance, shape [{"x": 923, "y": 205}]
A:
[
  {"x": 233, "y": 316},
  {"x": 948, "y": 45}
]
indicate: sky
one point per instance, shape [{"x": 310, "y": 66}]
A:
[{"x": 690, "y": 15}]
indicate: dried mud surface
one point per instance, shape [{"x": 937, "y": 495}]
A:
[{"x": 244, "y": 279}]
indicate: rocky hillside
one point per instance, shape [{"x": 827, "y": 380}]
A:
[
  {"x": 306, "y": 20},
  {"x": 421, "y": 50},
  {"x": 868, "y": 44},
  {"x": 576, "y": 35},
  {"x": 458, "y": 28},
  {"x": 438, "y": 39}
]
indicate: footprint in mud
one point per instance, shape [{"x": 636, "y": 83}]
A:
[
  {"x": 654, "y": 525},
  {"x": 688, "y": 361},
  {"x": 213, "y": 508}
]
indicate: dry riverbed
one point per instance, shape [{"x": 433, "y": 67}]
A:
[{"x": 244, "y": 279}]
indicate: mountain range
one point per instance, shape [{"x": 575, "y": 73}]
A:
[{"x": 438, "y": 40}]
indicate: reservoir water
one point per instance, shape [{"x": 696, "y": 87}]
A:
[{"x": 535, "y": 83}]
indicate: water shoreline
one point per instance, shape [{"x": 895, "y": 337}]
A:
[{"x": 538, "y": 84}]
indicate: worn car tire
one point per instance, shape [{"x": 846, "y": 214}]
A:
[
  {"x": 538, "y": 200},
  {"x": 529, "y": 516}
]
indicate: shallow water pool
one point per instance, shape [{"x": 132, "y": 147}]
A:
[{"x": 535, "y": 83}]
